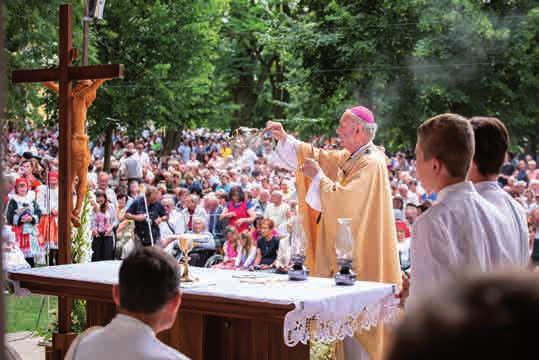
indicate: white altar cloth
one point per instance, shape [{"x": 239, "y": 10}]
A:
[{"x": 323, "y": 311}]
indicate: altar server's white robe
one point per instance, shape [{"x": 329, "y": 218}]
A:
[
  {"x": 517, "y": 245},
  {"x": 124, "y": 338},
  {"x": 462, "y": 231}
]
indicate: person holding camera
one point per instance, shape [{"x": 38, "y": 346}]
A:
[
  {"x": 23, "y": 215},
  {"x": 148, "y": 213}
]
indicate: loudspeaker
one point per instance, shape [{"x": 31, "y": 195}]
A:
[{"x": 95, "y": 9}]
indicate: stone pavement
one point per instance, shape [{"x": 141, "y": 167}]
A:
[{"x": 27, "y": 347}]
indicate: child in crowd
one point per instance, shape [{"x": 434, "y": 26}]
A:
[
  {"x": 246, "y": 252},
  {"x": 230, "y": 249},
  {"x": 403, "y": 244}
]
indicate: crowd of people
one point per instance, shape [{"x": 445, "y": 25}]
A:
[
  {"x": 461, "y": 202},
  {"x": 233, "y": 196}
]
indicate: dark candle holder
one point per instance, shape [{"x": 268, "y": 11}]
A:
[
  {"x": 298, "y": 272},
  {"x": 345, "y": 276}
]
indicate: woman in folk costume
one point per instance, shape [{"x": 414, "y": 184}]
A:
[
  {"x": 47, "y": 200},
  {"x": 349, "y": 183},
  {"x": 26, "y": 171},
  {"x": 23, "y": 215}
]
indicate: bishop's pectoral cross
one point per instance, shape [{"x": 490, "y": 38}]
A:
[{"x": 64, "y": 74}]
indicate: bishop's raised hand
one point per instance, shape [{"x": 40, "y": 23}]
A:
[{"x": 276, "y": 129}]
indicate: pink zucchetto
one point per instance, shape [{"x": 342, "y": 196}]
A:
[{"x": 363, "y": 113}]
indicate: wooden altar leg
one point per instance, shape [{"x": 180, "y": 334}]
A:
[
  {"x": 63, "y": 338},
  {"x": 97, "y": 314},
  {"x": 60, "y": 345}
]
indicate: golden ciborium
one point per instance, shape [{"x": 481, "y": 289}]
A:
[
  {"x": 243, "y": 137},
  {"x": 252, "y": 138}
]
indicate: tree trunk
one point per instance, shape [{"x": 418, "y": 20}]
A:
[
  {"x": 245, "y": 97},
  {"x": 247, "y": 91},
  {"x": 532, "y": 145},
  {"x": 108, "y": 149},
  {"x": 278, "y": 92},
  {"x": 172, "y": 140}
]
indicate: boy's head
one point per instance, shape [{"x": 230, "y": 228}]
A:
[
  {"x": 491, "y": 143},
  {"x": 444, "y": 150}
]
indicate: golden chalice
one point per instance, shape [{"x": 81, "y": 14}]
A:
[{"x": 186, "y": 243}]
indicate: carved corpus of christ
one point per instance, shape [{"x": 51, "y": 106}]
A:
[{"x": 81, "y": 97}]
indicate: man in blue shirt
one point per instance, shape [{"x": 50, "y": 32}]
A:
[{"x": 156, "y": 214}]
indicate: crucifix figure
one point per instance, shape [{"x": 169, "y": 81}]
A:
[
  {"x": 64, "y": 74},
  {"x": 82, "y": 96}
]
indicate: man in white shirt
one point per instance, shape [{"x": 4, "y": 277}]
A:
[
  {"x": 408, "y": 197},
  {"x": 491, "y": 143},
  {"x": 19, "y": 146},
  {"x": 411, "y": 212},
  {"x": 103, "y": 180},
  {"x": 174, "y": 224},
  {"x": 148, "y": 297},
  {"x": 462, "y": 230},
  {"x": 131, "y": 167},
  {"x": 277, "y": 210},
  {"x": 142, "y": 156},
  {"x": 190, "y": 209},
  {"x": 248, "y": 157}
]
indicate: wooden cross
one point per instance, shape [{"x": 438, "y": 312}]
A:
[{"x": 64, "y": 74}]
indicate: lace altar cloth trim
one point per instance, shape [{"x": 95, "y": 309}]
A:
[{"x": 301, "y": 326}]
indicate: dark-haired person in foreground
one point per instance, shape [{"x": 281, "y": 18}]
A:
[
  {"x": 491, "y": 143},
  {"x": 148, "y": 297},
  {"x": 490, "y": 316}
]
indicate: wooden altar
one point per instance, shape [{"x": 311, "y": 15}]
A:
[
  {"x": 229, "y": 314},
  {"x": 207, "y": 327}
]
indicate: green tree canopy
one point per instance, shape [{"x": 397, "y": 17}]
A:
[{"x": 241, "y": 62}]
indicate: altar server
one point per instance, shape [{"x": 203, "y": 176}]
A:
[
  {"x": 491, "y": 143},
  {"x": 349, "y": 183},
  {"x": 148, "y": 297},
  {"x": 462, "y": 230}
]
